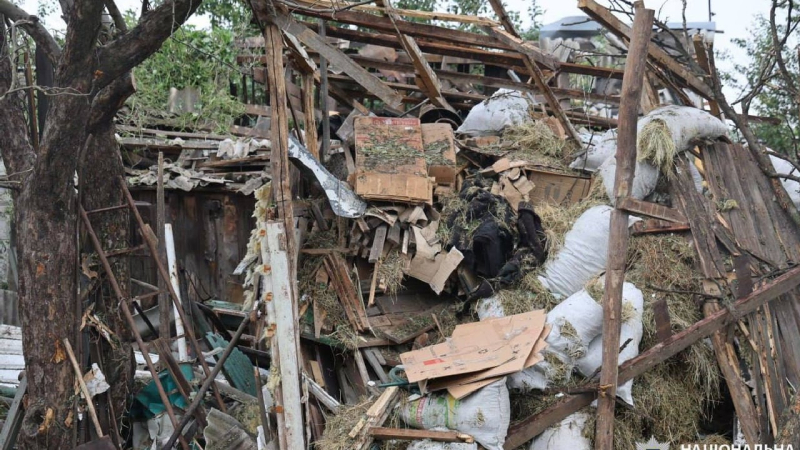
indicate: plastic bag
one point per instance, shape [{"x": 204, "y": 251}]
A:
[{"x": 484, "y": 415}]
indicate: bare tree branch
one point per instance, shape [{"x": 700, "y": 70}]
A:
[
  {"x": 33, "y": 26},
  {"x": 116, "y": 15},
  {"x": 778, "y": 44},
  {"x": 130, "y": 49}
]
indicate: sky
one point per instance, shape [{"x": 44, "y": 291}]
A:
[{"x": 733, "y": 17}]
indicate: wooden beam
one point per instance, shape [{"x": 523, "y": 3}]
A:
[
  {"x": 702, "y": 60},
  {"x": 336, "y": 57},
  {"x": 413, "y": 13},
  {"x": 523, "y": 47},
  {"x": 407, "y": 434},
  {"x": 641, "y": 207},
  {"x": 635, "y": 67},
  {"x": 659, "y": 57},
  {"x": 309, "y": 113},
  {"x": 414, "y": 29},
  {"x": 527, "y": 429},
  {"x": 460, "y": 77},
  {"x": 500, "y": 11}
]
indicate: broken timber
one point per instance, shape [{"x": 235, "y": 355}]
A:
[{"x": 618, "y": 236}]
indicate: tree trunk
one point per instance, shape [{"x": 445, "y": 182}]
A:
[{"x": 102, "y": 165}]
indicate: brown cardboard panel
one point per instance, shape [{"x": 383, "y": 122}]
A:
[
  {"x": 439, "y": 145},
  {"x": 557, "y": 188},
  {"x": 390, "y": 162},
  {"x": 506, "y": 341}
]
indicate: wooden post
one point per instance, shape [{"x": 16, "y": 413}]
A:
[
  {"x": 323, "y": 97},
  {"x": 618, "y": 240},
  {"x": 163, "y": 298},
  {"x": 703, "y": 61},
  {"x": 308, "y": 111}
]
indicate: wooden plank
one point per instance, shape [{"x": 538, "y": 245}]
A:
[
  {"x": 413, "y": 13},
  {"x": 635, "y": 66},
  {"x": 531, "y": 427},
  {"x": 652, "y": 226},
  {"x": 286, "y": 323},
  {"x": 659, "y": 57},
  {"x": 427, "y": 77},
  {"x": 377, "y": 243},
  {"x": 641, "y": 207},
  {"x": 341, "y": 61},
  {"x": 407, "y": 434},
  {"x": 13, "y": 422},
  {"x": 500, "y": 11},
  {"x": 527, "y": 50},
  {"x": 414, "y": 29},
  {"x": 702, "y": 61},
  {"x": 309, "y": 113},
  {"x": 694, "y": 208},
  {"x": 662, "y": 319}
]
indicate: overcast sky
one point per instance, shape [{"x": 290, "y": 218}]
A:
[{"x": 733, "y": 17}]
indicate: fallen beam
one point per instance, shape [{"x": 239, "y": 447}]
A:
[{"x": 527, "y": 429}]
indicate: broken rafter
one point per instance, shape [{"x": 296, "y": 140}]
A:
[
  {"x": 335, "y": 56},
  {"x": 531, "y": 427},
  {"x": 413, "y": 13},
  {"x": 658, "y": 55}
]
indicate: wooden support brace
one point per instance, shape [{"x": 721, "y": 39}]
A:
[{"x": 631, "y": 95}]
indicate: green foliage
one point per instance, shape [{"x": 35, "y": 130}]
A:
[
  {"x": 775, "y": 98},
  {"x": 225, "y": 12},
  {"x": 200, "y": 59}
]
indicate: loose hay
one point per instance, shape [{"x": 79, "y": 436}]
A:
[
  {"x": 535, "y": 142},
  {"x": 557, "y": 220},
  {"x": 337, "y": 426},
  {"x": 538, "y": 297},
  {"x": 390, "y": 272},
  {"x": 655, "y": 144}
]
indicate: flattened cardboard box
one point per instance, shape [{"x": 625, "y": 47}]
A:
[
  {"x": 505, "y": 342},
  {"x": 440, "y": 152},
  {"x": 557, "y": 188},
  {"x": 390, "y": 160}
]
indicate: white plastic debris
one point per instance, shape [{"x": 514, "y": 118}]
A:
[
  {"x": 484, "y": 415},
  {"x": 428, "y": 444},
  {"x": 567, "y": 435},
  {"x": 95, "y": 381},
  {"x": 584, "y": 254},
  {"x": 504, "y": 108},
  {"x": 631, "y": 330}
]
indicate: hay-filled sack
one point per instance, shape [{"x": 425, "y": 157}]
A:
[
  {"x": 503, "y": 109},
  {"x": 669, "y": 130},
  {"x": 584, "y": 255},
  {"x": 567, "y": 435},
  {"x": 783, "y": 167},
  {"x": 604, "y": 146},
  {"x": 574, "y": 322},
  {"x": 484, "y": 415},
  {"x": 632, "y": 308}
]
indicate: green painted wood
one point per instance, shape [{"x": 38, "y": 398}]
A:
[{"x": 238, "y": 369}]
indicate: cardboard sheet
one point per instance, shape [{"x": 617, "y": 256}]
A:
[
  {"x": 440, "y": 152},
  {"x": 506, "y": 341},
  {"x": 558, "y": 189}
]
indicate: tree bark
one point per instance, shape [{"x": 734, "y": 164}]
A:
[{"x": 102, "y": 163}]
